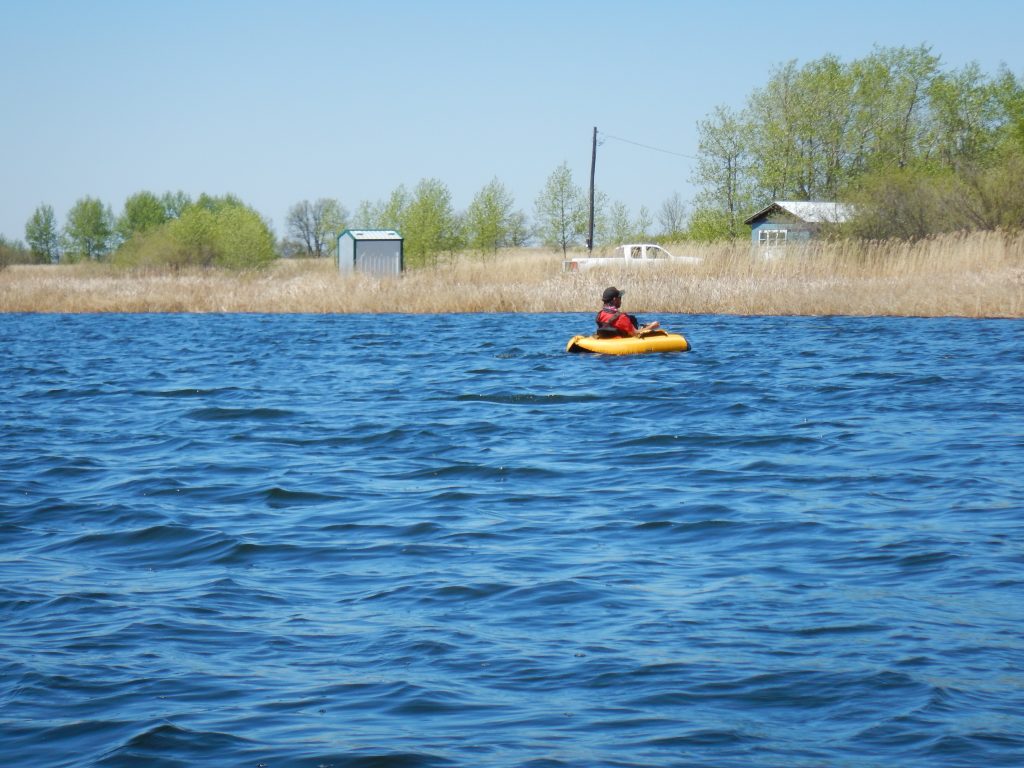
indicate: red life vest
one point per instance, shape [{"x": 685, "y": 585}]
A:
[{"x": 612, "y": 322}]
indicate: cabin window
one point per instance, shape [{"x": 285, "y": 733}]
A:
[{"x": 770, "y": 237}]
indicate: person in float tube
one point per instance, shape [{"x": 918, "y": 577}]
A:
[{"x": 612, "y": 321}]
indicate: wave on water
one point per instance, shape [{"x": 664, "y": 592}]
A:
[{"x": 295, "y": 541}]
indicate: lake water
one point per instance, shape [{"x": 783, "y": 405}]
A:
[{"x": 258, "y": 540}]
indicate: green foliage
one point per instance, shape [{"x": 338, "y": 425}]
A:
[
  {"x": 724, "y": 165},
  {"x": 425, "y": 219},
  {"x": 891, "y": 129},
  {"x": 1009, "y": 93},
  {"x": 709, "y": 225},
  {"x": 967, "y": 114},
  {"x": 242, "y": 239},
  {"x": 174, "y": 204},
  {"x": 157, "y": 248},
  {"x": 919, "y": 201},
  {"x": 89, "y": 231},
  {"x": 602, "y": 218},
  {"x": 386, "y": 214},
  {"x": 518, "y": 233},
  {"x": 905, "y": 203},
  {"x": 561, "y": 211},
  {"x": 391, "y": 213},
  {"x": 368, "y": 215},
  {"x": 14, "y": 252},
  {"x": 430, "y": 225},
  {"x": 42, "y": 235},
  {"x": 216, "y": 232},
  {"x": 489, "y": 219},
  {"x": 644, "y": 224},
  {"x": 142, "y": 211},
  {"x": 993, "y": 196},
  {"x": 620, "y": 228},
  {"x": 195, "y": 235},
  {"x": 216, "y": 203},
  {"x": 889, "y": 107}
]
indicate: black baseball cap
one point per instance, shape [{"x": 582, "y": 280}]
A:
[{"x": 611, "y": 293}]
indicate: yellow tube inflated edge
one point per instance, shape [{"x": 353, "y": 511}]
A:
[{"x": 629, "y": 345}]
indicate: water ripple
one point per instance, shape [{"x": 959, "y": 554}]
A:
[{"x": 294, "y": 540}]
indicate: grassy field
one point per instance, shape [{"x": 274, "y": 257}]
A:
[{"x": 975, "y": 275}]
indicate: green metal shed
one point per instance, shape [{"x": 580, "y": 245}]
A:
[{"x": 376, "y": 251}]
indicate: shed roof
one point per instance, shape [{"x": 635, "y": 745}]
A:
[
  {"x": 372, "y": 234},
  {"x": 811, "y": 211}
]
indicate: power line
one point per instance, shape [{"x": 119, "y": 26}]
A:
[{"x": 647, "y": 146}]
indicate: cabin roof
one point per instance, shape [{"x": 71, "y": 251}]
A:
[
  {"x": 811, "y": 211},
  {"x": 372, "y": 234}
]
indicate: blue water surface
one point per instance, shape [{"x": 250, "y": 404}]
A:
[{"x": 266, "y": 540}]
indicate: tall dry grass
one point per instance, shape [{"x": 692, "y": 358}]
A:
[{"x": 970, "y": 275}]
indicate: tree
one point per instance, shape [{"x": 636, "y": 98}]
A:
[
  {"x": 772, "y": 146},
  {"x": 992, "y": 197},
  {"x": 1009, "y": 92},
  {"x": 142, "y": 211},
  {"x": 367, "y": 215},
  {"x": 174, "y": 204},
  {"x": 193, "y": 237},
  {"x": 710, "y": 224},
  {"x": 966, "y": 113},
  {"x": 918, "y": 149},
  {"x": 644, "y": 224},
  {"x": 391, "y": 214},
  {"x": 892, "y": 120},
  {"x": 215, "y": 203},
  {"x": 383, "y": 214},
  {"x": 15, "y": 252},
  {"x": 317, "y": 225},
  {"x": 602, "y": 223},
  {"x": 89, "y": 229},
  {"x": 561, "y": 210},
  {"x": 824, "y": 126},
  {"x": 724, "y": 167},
  {"x": 812, "y": 130},
  {"x": 800, "y": 147},
  {"x": 907, "y": 203},
  {"x": 518, "y": 234},
  {"x": 620, "y": 227},
  {"x": 242, "y": 239},
  {"x": 220, "y": 232},
  {"x": 430, "y": 223},
  {"x": 672, "y": 216},
  {"x": 488, "y": 219},
  {"x": 42, "y": 235}
]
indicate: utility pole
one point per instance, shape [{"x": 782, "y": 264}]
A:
[{"x": 593, "y": 163}]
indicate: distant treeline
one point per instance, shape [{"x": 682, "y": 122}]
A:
[
  {"x": 916, "y": 149},
  {"x": 167, "y": 230},
  {"x": 222, "y": 231}
]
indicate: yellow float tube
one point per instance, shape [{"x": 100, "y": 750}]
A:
[{"x": 654, "y": 341}]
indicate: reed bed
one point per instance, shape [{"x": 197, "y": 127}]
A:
[{"x": 968, "y": 275}]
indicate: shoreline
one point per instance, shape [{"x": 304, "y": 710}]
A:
[{"x": 980, "y": 275}]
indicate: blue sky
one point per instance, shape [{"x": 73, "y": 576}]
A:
[{"x": 277, "y": 102}]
